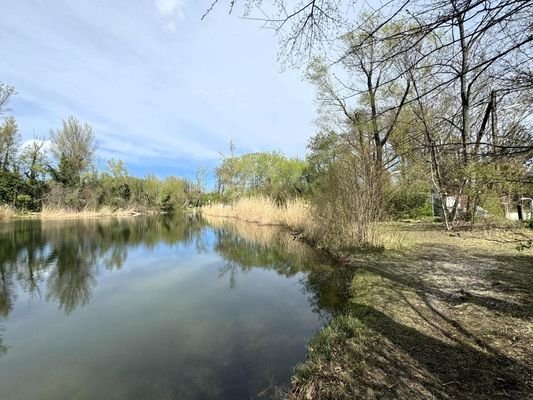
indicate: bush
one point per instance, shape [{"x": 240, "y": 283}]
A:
[
  {"x": 167, "y": 205},
  {"x": 347, "y": 203},
  {"x": 23, "y": 201},
  {"x": 492, "y": 204},
  {"x": 409, "y": 204},
  {"x": 20, "y": 193}
]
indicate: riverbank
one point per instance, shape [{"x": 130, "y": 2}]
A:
[
  {"x": 450, "y": 319},
  {"x": 7, "y": 213},
  {"x": 449, "y": 316},
  {"x": 263, "y": 211},
  {"x": 296, "y": 216}
]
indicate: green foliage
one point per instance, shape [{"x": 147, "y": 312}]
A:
[
  {"x": 19, "y": 192},
  {"x": 33, "y": 160},
  {"x": 9, "y": 139},
  {"x": 123, "y": 191},
  {"x": 67, "y": 173},
  {"x": 211, "y": 198},
  {"x": 176, "y": 192},
  {"x": 117, "y": 169},
  {"x": 335, "y": 352},
  {"x": 114, "y": 188},
  {"x": 14, "y": 188},
  {"x": 324, "y": 150},
  {"x": 74, "y": 146},
  {"x": 490, "y": 201},
  {"x": 269, "y": 173},
  {"x": 11, "y": 185},
  {"x": 409, "y": 204},
  {"x": 167, "y": 206},
  {"x": 23, "y": 201},
  {"x": 74, "y": 184}
]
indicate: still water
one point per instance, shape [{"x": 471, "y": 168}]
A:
[{"x": 154, "y": 308}]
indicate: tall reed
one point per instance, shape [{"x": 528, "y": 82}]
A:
[
  {"x": 58, "y": 212},
  {"x": 6, "y": 211},
  {"x": 262, "y": 210}
]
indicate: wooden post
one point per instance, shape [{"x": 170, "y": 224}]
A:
[{"x": 519, "y": 207}]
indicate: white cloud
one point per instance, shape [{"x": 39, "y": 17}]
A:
[
  {"x": 171, "y": 26},
  {"x": 170, "y": 8},
  {"x": 46, "y": 145},
  {"x": 152, "y": 97}
]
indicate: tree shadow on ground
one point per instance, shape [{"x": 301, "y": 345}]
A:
[
  {"x": 451, "y": 323},
  {"x": 422, "y": 365},
  {"x": 503, "y": 283}
]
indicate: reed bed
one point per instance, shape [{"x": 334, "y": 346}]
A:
[
  {"x": 298, "y": 216},
  {"x": 264, "y": 235},
  {"x": 294, "y": 214},
  {"x": 63, "y": 213},
  {"x": 7, "y": 212}
]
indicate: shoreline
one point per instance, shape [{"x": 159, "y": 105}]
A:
[
  {"x": 447, "y": 317},
  {"x": 71, "y": 215}
]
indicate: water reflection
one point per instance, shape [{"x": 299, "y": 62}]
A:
[
  {"x": 191, "y": 337},
  {"x": 61, "y": 258},
  {"x": 246, "y": 246}
]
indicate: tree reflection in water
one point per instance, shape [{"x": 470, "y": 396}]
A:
[
  {"x": 246, "y": 246},
  {"x": 61, "y": 259}
]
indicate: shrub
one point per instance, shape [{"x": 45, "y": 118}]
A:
[{"x": 410, "y": 204}]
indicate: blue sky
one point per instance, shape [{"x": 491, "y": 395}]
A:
[{"x": 163, "y": 90}]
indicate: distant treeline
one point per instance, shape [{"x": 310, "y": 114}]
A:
[{"x": 64, "y": 176}]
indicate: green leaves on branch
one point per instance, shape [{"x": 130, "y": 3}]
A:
[{"x": 267, "y": 173}]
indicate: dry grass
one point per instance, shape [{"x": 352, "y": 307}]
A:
[
  {"x": 61, "y": 213},
  {"x": 7, "y": 212},
  {"x": 407, "y": 236},
  {"x": 297, "y": 216},
  {"x": 262, "y": 210},
  {"x": 493, "y": 240}
]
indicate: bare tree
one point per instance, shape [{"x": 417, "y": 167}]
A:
[
  {"x": 9, "y": 140},
  {"x": 6, "y": 92},
  {"x": 33, "y": 159},
  {"x": 456, "y": 74},
  {"x": 74, "y": 147}
]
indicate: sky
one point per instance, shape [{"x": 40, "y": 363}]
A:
[{"x": 163, "y": 90}]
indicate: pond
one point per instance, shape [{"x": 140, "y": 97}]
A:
[{"x": 155, "y": 308}]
